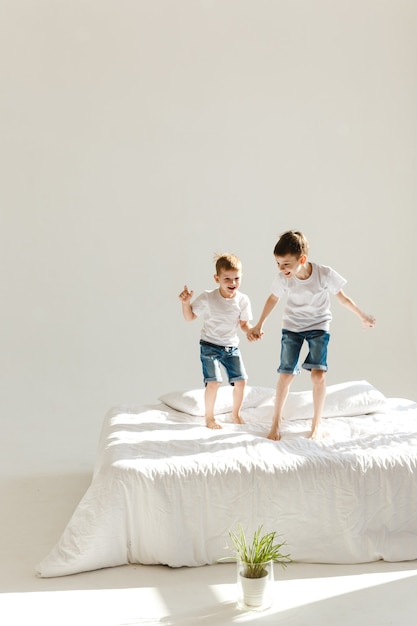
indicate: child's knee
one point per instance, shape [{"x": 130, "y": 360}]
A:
[{"x": 318, "y": 377}]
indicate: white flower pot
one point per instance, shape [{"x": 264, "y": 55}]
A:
[{"x": 255, "y": 593}]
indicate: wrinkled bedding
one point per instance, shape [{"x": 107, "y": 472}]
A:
[{"x": 166, "y": 489}]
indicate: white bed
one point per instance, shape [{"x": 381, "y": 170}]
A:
[{"x": 166, "y": 489}]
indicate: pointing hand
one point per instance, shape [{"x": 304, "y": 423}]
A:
[{"x": 186, "y": 295}]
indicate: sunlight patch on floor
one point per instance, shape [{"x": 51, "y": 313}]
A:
[
  {"x": 196, "y": 604},
  {"x": 290, "y": 594},
  {"x": 107, "y": 607}
]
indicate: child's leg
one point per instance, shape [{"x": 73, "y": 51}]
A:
[
  {"x": 283, "y": 387},
  {"x": 318, "y": 378},
  {"x": 238, "y": 393},
  {"x": 316, "y": 361},
  {"x": 210, "y": 395}
]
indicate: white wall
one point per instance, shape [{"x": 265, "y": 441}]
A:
[{"x": 139, "y": 138}]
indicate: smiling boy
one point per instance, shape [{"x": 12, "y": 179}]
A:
[
  {"x": 306, "y": 317},
  {"x": 224, "y": 310}
]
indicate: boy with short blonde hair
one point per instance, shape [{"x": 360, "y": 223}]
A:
[{"x": 223, "y": 310}]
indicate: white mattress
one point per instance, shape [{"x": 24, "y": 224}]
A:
[{"x": 166, "y": 489}]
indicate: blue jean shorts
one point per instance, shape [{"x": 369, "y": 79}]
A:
[
  {"x": 291, "y": 344},
  {"x": 213, "y": 356}
]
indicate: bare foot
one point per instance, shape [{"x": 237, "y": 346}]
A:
[
  {"x": 315, "y": 434},
  {"x": 237, "y": 420},
  {"x": 211, "y": 423},
  {"x": 274, "y": 435}
]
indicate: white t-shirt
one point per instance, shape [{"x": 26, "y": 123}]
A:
[
  {"x": 308, "y": 301},
  {"x": 221, "y": 316}
]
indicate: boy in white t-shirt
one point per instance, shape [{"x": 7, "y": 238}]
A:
[
  {"x": 306, "y": 317},
  {"x": 223, "y": 311}
]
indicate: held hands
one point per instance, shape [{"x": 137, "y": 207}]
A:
[
  {"x": 255, "y": 333},
  {"x": 186, "y": 295}
]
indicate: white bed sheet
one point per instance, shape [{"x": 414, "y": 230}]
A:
[{"x": 166, "y": 489}]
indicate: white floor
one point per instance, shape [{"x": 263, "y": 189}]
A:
[{"x": 35, "y": 510}]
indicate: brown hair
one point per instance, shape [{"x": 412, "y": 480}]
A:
[
  {"x": 226, "y": 262},
  {"x": 291, "y": 242}
]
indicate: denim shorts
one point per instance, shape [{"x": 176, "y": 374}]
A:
[
  {"x": 212, "y": 356},
  {"x": 291, "y": 343}
]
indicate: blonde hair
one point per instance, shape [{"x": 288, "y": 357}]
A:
[{"x": 227, "y": 262}]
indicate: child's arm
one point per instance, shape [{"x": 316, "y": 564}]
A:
[
  {"x": 367, "y": 320},
  {"x": 187, "y": 311},
  {"x": 256, "y": 331},
  {"x": 245, "y": 326}
]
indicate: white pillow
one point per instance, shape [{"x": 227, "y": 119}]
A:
[
  {"x": 345, "y": 399},
  {"x": 192, "y": 402}
]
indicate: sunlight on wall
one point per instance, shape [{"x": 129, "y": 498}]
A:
[{"x": 142, "y": 139}]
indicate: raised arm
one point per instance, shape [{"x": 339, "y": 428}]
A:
[
  {"x": 256, "y": 331},
  {"x": 187, "y": 311},
  {"x": 368, "y": 321}
]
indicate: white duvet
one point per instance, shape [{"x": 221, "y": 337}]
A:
[{"x": 166, "y": 489}]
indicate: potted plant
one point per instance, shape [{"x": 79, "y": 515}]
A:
[{"x": 255, "y": 560}]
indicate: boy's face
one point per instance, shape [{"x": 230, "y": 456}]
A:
[
  {"x": 290, "y": 265},
  {"x": 228, "y": 281}
]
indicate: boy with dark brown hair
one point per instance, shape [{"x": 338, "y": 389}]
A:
[{"x": 307, "y": 317}]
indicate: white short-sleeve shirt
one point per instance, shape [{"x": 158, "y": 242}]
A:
[
  {"x": 308, "y": 301},
  {"x": 221, "y": 316}
]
